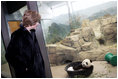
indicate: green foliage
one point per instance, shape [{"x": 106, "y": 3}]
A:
[
  {"x": 75, "y": 22},
  {"x": 53, "y": 38},
  {"x": 57, "y": 32}
]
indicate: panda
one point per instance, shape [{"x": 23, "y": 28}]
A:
[
  {"x": 84, "y": 68},
  {"x": 85, "y": 64}
]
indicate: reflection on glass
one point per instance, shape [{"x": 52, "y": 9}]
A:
[
  {"x": 17, "y": 15},
  {"x": 55, "y": 21},
  {"x": 3, "y": 53},
  {"x": 5, "y": 72}
]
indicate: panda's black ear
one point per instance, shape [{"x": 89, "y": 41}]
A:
[{"x": 91, "y": 61}]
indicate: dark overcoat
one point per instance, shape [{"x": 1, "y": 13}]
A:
[{"x": 24, "y": 55}]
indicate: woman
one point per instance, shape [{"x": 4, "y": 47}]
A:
[{"x": 23, "y": 52}]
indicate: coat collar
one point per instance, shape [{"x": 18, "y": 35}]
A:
[
  {"x": 24, "y": 29},
  {"x": 32, "y": 31}
]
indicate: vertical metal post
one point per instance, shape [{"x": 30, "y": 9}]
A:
[
  {"x": 4, "y": 29},
  {"x": 5, "y": 33},
  {"x": 69, "y": 14},
  {"x": 32, "y": 5}
]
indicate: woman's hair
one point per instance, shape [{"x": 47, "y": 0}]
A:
[{"x": 30, "y": 18}]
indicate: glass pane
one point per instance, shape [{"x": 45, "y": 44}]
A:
[
  {"x": 14, "y": 19},
  {"x": 3, "y": 53},
  {"x": 78, "y": 30},
  {"x": 51, "y": 15},
  {"x": 55, "y": 24},
  {"x": 94, "y": 8},
  {"x": 17, "y": 15}
]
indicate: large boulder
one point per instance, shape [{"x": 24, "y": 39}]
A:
[
  {"x": 108, "y": 20},
  {"x": 88, "y": 46},
  {"x": 96, "y": 25},
  {"x": 97, "y": 54},
  {"x": 110, "y": 33},
  {"x": 69, "y": 41},
  {"x": 83, "y": 38},
  {"x": 99, "y": 24},
  {"x": 73, "y": 41},
  {"x": 76, "y": 32},
  {"x": 88, "y": 34},
  {"x": 60, "y": 54}
]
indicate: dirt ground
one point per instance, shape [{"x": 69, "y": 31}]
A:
[{"x": 102, "y": 69}]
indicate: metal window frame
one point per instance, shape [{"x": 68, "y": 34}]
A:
[
  {"x": 5, "y": 33},
  {"x": 32, "y": 5}
]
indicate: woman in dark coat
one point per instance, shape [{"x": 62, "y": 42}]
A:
[{"x": 23, "y": 52}]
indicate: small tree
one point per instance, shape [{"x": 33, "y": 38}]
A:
[{"x": 75, "y": 22}]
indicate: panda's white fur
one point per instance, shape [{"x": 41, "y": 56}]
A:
[
  {"x": 87, "y": 63},
  {"x": 70, "y": 69}
]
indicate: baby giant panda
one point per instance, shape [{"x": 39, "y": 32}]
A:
[{"x": 85, "y": 64}]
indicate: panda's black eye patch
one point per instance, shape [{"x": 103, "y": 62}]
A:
[
  {"x": 91, "y": 61},
  {"x": 87, "y": 63}
]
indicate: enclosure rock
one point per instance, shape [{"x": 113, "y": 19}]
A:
[
  {"x": 84, "y": 39},
  {"x": 97, "y": 54},
  {"x": 98, "y": 24},
  {"x": 88, "y": 34},
  {"x": 93, "y": 40},
  {"x": 110, "y": 33},
  {"x": 86, "y": 46},
  {"x": 76, "y": 32},
  {"x": 69, "y": 41},
  {"x": 85, "y": 23},
  {"x": 108, "y": 20},
  {"x": 60, "y": 54}
]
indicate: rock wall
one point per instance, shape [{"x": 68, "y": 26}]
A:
[
  {"x": 60, "y": 54},
  {"x": 110, "y": 33},
  {"x": 97, "y": 54},
  {"x": 82, "y": 39},
  {"x": 91, "y": 41},
  {"x": 103, "y": 27}
]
